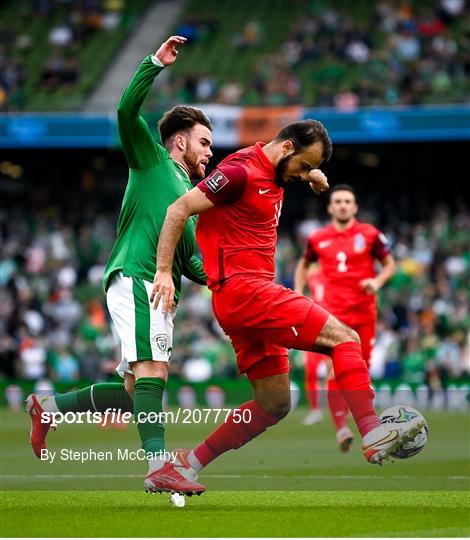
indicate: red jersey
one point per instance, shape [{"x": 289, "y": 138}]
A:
[
  {"x": 345, "y": 259},
  {"x": 238, "y": 235}
]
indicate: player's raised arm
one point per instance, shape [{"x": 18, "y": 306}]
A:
[
  {"x": 137, "y": 140},
  {"x": 193, "y": 202}
]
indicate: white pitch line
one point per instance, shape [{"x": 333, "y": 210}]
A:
[{"x": 239, "y": 476}]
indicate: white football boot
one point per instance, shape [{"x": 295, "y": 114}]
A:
[
  {"x": 314, "y": 416},
  {"x": 386, "y": 439}
]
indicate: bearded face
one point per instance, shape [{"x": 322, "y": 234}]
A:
[
  {"x": 195, "y": 163},
  {"x": 197, "y": 153},
  {"x": 281, "y": 170}
]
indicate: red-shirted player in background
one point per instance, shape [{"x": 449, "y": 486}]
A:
[
  {"x": 239, "y": 206},
  {"x": 312, "y": 383},
  {"x": 346, "y": 285}
]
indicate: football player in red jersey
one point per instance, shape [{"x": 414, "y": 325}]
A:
[
  {"x": 312, "y": 383},
  {"x": 239, "y": 205},
  {"x": 346, "y": 251}
]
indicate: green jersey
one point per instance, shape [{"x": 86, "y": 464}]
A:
[{"x": 155, "y": 182}]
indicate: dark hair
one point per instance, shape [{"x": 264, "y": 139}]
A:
[
  {"x": 180, "y": 118},
  {"x": 342, "y": 187},
  {"x": 306, "y": 133}
]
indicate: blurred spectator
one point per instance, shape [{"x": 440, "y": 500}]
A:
[
  {"x": 346, "y": 101},
  {"x": 230, "y": 93},
  {"x": 408, "y": 53},
  {"x": 251, "y": 35},
  {"x": 60, "y": 36}
]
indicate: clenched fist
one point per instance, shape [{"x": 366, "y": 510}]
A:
[{"x": 318, "y": 181}]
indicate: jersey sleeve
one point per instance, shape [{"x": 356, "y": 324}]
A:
[
  {"x": 194, "y": 271},
  {"x": 310, "y": 254},
  {"x": 140, "y": 148},
  {"x": 224, "y": 185},
  {"x": 381, "y": 246}
]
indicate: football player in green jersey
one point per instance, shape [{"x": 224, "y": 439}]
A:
[{"x": 158, "y": 175}]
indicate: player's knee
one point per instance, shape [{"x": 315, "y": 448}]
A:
[
  {"x": 279, "y": 408},
  {"x": 352, "y": 335},
  {"x": 129, "y": 384},
  {"x": 345, "y": 334},
  {"x": 150, "y": 368}
]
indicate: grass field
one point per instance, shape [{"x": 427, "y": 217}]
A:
[{"x": 292, "y": 481}]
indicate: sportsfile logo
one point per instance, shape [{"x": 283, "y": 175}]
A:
[{"x": 216, "y": 181}]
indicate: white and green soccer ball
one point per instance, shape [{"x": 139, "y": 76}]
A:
[{"x": 403, "y": 413}]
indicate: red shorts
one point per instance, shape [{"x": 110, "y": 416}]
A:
[
  {"x": 366, "y": 332},
  {"x": 263, "y": 320}
]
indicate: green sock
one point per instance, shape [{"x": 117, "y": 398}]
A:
[
  {"x": 97, "y": 397},
  {"x": 148, "y": 398}
]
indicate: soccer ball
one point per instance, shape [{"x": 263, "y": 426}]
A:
[{"x": 403, "y": 413}]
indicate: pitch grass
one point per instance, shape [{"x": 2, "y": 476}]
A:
[
  {"x": 243, "y": 513},
  {"x": 292, "y": 481}
]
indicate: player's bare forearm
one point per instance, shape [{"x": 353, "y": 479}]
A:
[
  {"x": 372, "y": 285},
  {"x": 176, "y": 217},
  {"x": 300, "y": 275},
  {"x": 191, "y": 203},
  {"x": 387, "y": 271},
  {"x": 173, "y": 226}
]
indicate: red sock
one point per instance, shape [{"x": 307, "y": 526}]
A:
[
  {"x": 337, "y": 405},
  {"x": 353, "y": 379},
  {"x": 313, "y": 398},
  {"x": 234, "y": 433},
  {"x": 311, "y": 378}
]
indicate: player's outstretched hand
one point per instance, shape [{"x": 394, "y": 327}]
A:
[
  {"x": 318, "y": 181},
  {"x": 167, "y": 52},
  {"x": 369, "y": 285},
  {"x": 164, "y": 290}
]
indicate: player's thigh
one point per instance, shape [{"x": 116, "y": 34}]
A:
[
  {"x": 366, "y": 332},
  {"x": 145, "y": 334}
]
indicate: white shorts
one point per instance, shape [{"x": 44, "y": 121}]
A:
[{"x": 145, "y": 333}]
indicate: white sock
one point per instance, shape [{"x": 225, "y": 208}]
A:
[
  {"x": 155, "y": 464},
  {"x": 48, "y": 403},
  {"x": 194, "y": 462}
]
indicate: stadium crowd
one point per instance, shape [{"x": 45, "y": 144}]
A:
[
  {"x": 54, "y": 322},
  {"x": 404, "y": 55},
  {"x": 69, "y": 24}
]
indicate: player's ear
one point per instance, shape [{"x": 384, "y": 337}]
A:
[
  {"x": 287, "y": 148},
  {"x": 180, "y": 142}
]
